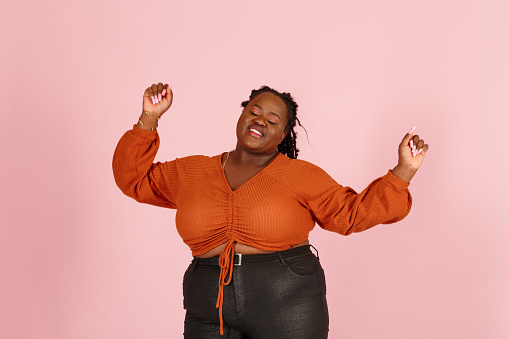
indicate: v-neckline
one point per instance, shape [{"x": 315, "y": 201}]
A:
[{"x": 220, "y": 163}]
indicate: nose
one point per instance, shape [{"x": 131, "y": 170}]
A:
[{"x": 260, "y": 120}]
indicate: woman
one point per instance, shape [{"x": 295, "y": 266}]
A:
[{"x": 246, "y": 215}]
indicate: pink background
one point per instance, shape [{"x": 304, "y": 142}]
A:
[{"x": 80, "y": 260}]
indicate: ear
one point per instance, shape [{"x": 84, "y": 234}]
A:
[{"x": 283, "y": 137}]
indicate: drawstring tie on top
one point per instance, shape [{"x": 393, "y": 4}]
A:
[{"x": 226, "y": 267}]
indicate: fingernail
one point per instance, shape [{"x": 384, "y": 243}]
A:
[
  {"x": 164, "y": 92},
  {"x": 411, "y": 143},
  {"x": 159, "y": 97},
  {"x": 413, "y": 128},
  {"x": 153, "y": 101},
  {"x": 419, "y": 151}
]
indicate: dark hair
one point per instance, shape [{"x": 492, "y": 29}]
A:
[{"x": 289, "y": 144}]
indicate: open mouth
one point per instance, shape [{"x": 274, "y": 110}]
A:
[{"x": 255, "y": 132}]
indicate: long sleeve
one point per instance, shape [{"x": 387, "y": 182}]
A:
[
  {"x": 137, "y": 176},
  {"x": 340, "y": 209}
]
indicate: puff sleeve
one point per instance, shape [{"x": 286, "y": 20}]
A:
[
  {"x": 385, "y": 200},
  {"x": 137, "y": 176},
  {"x": 342, "y": 210}
]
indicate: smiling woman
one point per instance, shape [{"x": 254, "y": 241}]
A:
[
  {"x": 260, "y": 128},
  {"x": 246, "y": 216},
  {"x": 286, "y": 117}
]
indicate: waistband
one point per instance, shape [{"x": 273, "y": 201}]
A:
[{"x": 240, "y": 259}]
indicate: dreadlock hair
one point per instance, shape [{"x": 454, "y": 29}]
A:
[{"x": 289, "y": 144}]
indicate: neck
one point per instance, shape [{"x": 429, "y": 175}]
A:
[{"x": 242, "y": 157}]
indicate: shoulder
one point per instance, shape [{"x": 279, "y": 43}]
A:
[
  {"x": 301, "y": 176},
  {"x": 300, "y": 167},
  {"x": 191, "y": 168},
  {"x": 197, "y": 159},
  {"x": 198, "y": 162}
]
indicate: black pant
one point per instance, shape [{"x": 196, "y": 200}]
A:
[{"x": 279, "y": 295}]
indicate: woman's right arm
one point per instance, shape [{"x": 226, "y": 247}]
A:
[{"x": 133, "y": 168}]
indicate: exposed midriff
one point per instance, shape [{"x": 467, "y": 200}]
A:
[{"x": 242, "y": 249}]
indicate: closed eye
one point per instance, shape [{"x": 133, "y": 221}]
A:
[{"x": 270, "y": 122}]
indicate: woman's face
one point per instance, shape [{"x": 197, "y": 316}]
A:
[{"x": 261, "y": 126}]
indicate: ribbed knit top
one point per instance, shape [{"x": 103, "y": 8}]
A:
[{"x": 273, "y": 211}]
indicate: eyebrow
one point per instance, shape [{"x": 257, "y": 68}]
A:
[{"x": 260, "y": 107}]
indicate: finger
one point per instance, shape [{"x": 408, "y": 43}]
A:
[
  {"x": 407, "y": 137},
  {"x": 150, "y": 93},
  {"x": 154, "y": 94},
  {"x": 166, "y": 88},
  {"x": 414, "y": 145},
  {"x": 159, "y": 91},
  {"x": 169, "y": 94},
  {"x": 413, "y": 142},
  {"x": 423, "y": 150}
]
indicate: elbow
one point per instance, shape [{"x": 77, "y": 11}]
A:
[
  {"x": 128, "y": 188},
  {"x": 401, "y": 213},
  {"x": 124, "y": 180}
]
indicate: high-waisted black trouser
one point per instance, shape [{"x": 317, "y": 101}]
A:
[{"x": 279, "y": 295}]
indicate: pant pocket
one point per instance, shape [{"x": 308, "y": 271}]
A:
[
  {"x": 301, "y": 265},
  {"x": 200, "y": 289}
]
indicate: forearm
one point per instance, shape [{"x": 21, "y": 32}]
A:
[{"x": 403, "y": 172}]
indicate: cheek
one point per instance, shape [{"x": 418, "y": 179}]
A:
[
  {"x": 278, "y": 135},
  {"x": 241, "y": 124}
]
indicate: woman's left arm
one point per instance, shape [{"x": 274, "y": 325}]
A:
[{"x": 386, "y": 200}]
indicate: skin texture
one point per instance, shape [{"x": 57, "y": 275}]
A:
[{"x": 266, "y": 113}]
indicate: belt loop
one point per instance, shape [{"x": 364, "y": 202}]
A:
[
  {"x": 318, "y": 257},
  {"x": 283, "y": 262}
]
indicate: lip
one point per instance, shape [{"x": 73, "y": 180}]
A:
[{"x": 253, "y": 128}]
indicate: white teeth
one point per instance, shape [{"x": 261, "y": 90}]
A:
[{"x": 255, "y": 131}]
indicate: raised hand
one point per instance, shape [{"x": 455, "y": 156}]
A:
[
  {"x": 412, "y": 151},
  {"x": 156, "y": 100}
]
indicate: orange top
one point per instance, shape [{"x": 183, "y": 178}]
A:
[{"x": 273, "y": 211}]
